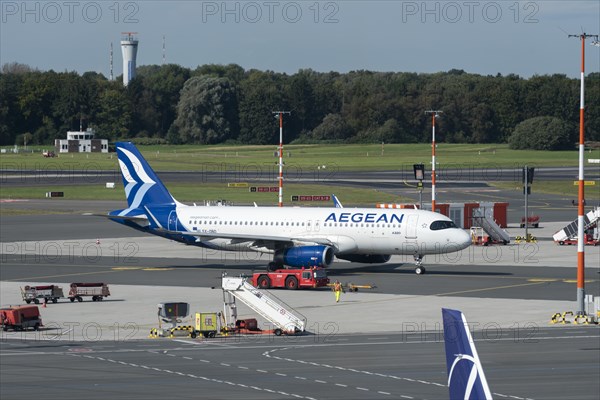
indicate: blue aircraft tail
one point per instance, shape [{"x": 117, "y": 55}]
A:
[
  {"x": 142, "y": 186},
  {"x": 466, "y": 379},
  {"x": 147, "y": 197}
]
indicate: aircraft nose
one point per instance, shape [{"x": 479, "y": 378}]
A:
[{"x": 463, "y": 239}]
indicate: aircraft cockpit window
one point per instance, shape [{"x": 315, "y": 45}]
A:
[{"x": 438, "y": 225}]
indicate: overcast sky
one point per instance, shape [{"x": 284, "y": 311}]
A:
[{"x": 483, "y": 37}]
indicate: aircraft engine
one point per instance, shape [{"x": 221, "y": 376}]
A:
[
  {"x": 305, "y": 256},
  {"x": 366, "y": 258}
]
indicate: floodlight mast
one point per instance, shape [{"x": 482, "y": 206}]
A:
[
  {"x": 580, "y": 202},
  {"x": 434, "y": 114},
  {"x": 280, "y": 115}
]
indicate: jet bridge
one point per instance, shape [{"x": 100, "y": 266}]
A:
[
  {"x": 283, "y": 317},
  {"x": 569, "y": 232},
  {"x": 484, "y": 218}
]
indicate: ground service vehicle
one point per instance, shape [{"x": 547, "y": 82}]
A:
[
  {"x": 589, "y": 240},
  {"x": 97, "y": 291},
  {"x": 532, "y": 221},
  {"x": 46, "y": 292},
  {"x": 20, "y": 318},
  {"x": 291, "y": 278}
]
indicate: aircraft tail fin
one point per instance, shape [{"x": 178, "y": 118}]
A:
[
  {"x": 466, "y": 379},
  {"x": 142, "y": 185}
]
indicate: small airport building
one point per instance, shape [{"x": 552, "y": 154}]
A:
[{"x": 81, "y": 142}]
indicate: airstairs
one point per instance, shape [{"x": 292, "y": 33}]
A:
[
  {"x": 484, "y": 218},
  {"x": 569, "y": 232},
  {"x": 283, "y": 317}
]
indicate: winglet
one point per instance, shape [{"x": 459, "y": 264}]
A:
[{"x": 466, "y": 379}]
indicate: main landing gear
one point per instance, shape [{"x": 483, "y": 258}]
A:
[{"x": 419, "y": 269}]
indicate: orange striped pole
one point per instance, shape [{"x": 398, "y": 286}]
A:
[
  {"x": 280, "y": 114},
  {"x": 434, "y": 115},
  {"x": 280, "y": 159},
  {"x": 581, "y": 197}
]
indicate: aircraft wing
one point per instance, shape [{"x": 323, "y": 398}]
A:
[{"x": 246, "y": 237}]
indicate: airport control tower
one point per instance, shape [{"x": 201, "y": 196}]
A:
[{"x": 129, "y": 45}]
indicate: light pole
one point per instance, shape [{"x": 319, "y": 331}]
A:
[
  {"x": 434, "y": 114},
  {"x": 419, "y": 170},
  {"x": 580, "y": 202},
  {"x": 280, "y": 115}
]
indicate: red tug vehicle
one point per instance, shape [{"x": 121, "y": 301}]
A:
[{"x": 291, "y": 278}]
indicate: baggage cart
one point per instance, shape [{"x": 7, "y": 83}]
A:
[
  {"x": 97, "y": 291},
  {"x": 47, "y": 293}
]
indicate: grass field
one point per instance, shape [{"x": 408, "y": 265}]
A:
[
  {"x": 189, "y": 193},
  {"x": 304, "y": 159},
  {"x": 308, "y": 157}
]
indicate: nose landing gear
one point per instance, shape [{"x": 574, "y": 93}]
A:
[{"x": 419, "y": 269}]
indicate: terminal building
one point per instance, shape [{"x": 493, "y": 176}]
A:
[{"x": 81, "y": 142}]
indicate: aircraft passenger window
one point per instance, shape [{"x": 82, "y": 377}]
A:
[{"x": 438, "y": 225}]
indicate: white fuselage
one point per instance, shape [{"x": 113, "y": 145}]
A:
[{"x": 358, "y": 230}]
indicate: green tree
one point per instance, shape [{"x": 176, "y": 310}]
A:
[
  {"x": 114, "y": 115},
  {"x": 541, "y": 133},
  {"x": 260, "y": 95},
  {"x": 207, "y": 111},
  {"x": 333, "y": 128}
]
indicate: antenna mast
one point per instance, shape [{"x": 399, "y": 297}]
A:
[{"x": 110, "y": 77}]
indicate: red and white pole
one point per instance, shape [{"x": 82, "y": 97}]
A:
[
  {"x": 434, "y": 115},
  {"x": 433, "y": 161},
  {"x": 280, "y": 159},
  {"x": 580, "y": 204}
]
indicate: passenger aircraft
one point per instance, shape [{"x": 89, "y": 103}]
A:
[
  {"x": 296, "y": 237},
  {"x": 466, "y": 379}
]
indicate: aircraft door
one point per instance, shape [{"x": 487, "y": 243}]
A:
[
  {"x": 411, "y": 226},
  {"x": 317, "y": 225},
  {"x": 173, "y": 220}
]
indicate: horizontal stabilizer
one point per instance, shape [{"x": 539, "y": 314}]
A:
[{"x": 137, "y": 218}]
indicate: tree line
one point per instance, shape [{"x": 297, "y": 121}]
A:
[{"x": 227, "y": 104}]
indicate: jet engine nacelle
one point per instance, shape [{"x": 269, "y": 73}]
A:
[
  {"x": 366, "y": 258},
  {"x": 305, "y": 256}
]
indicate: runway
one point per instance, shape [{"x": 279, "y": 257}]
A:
[{"x": 383, "y": 343}]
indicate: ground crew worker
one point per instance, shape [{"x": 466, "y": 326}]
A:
[{"x": 337, "y": 289}]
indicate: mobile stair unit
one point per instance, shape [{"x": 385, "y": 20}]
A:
[
  {"x": 283, "y": 317},
  {"x": 484, "y": 218},
  {"x": 569, "y": 232}
]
